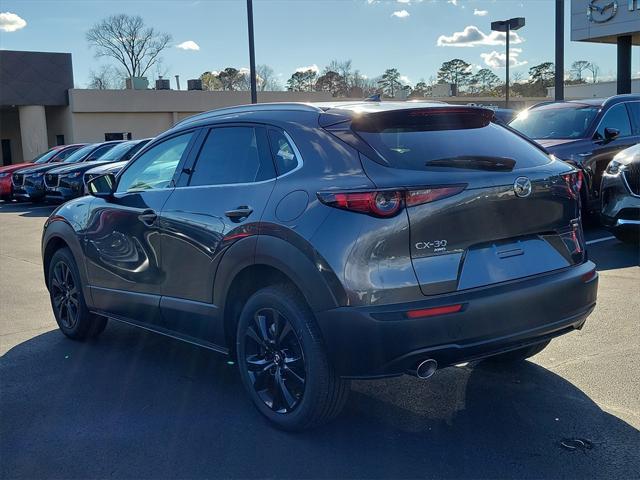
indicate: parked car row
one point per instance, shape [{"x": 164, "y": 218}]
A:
[
  {"x": 595, "y": 136},
  {"x": 58, "y": 174}
]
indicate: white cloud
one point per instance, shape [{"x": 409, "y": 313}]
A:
[
  {"x": 10, "y": 22},
  {"x": 403, "y": 1},
  {"x": 405, "y": 80},
  {"x": 188, "y": 45},
  {"x": 499, "y": 60},
  {"x": 453, "y": 2},
  {"x": 313, "y": 67},
  {"x": 472, "y": 36},
  {"x": 400, "y": 14},
  {"x": 480, "y": 13}
]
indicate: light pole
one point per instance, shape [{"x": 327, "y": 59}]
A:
[
  {"x": 506, "y": 26},
  {"x": 252, "y": 53}
]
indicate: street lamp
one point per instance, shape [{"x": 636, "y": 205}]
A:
[
  {"x": 252, "y": 54},
  {"x": 506, "y": 26}
]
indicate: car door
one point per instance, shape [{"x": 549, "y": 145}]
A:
[
  {"x": 220, "y": 201},
  {"x": 616, "y": 117},
  {"x": 122, "y": 243}
]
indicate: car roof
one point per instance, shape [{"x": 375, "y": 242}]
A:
[{"x": 597, "y": 102}]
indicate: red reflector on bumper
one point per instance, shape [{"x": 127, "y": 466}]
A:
[
  {"x": 589, "y": 276},
  {"x": 430, "y": 312}
]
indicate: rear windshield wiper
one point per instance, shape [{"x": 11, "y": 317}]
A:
[{"x": 475, "y": 162}]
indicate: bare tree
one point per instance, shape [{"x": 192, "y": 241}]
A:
[
  {"x": 107, "y": 77},
  {"x": 578, "y": 67},
  {"x": 594, "y": 70},
  {"x": 267, "y": 79},
  {"x": 126, "y": 39}
]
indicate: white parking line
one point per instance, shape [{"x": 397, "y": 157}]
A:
[{"x": 598, "y": 240}]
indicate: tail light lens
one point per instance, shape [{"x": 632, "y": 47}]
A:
[
  {"x": 574, "y": 183},
  {"x": 386, "y": 203}
]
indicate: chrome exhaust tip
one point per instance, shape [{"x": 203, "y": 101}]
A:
[{"x": 426, "y": 368}]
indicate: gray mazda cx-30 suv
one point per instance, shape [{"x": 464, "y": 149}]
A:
[{"x": 313, "y": 244}]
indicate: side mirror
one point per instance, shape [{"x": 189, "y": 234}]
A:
[
  {"x": 611, "y": 133},
  {"x": 103, "y": 186}
]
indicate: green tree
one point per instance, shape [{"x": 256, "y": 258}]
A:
[
  {"x": 455, "y": 71},
  {"x": 331, "y": 82},
  {"x": 390, "y": 82},
  {"x": 542, "y": 75},
  {"x": 230, "y": 78},
  {"x": 486, "y": 80},
  {"x": 303, "y": 81},
  {"x": 210, "y": 81}
]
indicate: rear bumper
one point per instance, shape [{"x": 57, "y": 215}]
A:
[{"x": 380, "y": 341}]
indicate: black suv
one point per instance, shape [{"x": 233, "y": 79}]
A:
[
  {"x": 585, "y": 133},
  {"x": 317, "y": 243}
]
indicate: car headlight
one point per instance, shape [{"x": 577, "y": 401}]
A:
[
  {"x": 4, "y": 175},
  {"x": 73, "y": 175},
  {"x": 614, "y": 167}
]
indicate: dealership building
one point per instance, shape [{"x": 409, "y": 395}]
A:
[
  {"x": 609, "y": 21},
  {"x": 40, "y": 108}
]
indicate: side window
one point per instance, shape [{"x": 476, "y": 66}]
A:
[
  {"x": 283, "y": 152},
  {"x": 617, "y": 118},
  {"x": 232, "y": 155},
  {"x": 133, "y": 151},
  {"x": 155, "y": 167},
  {"x": 634, "y": 111}
]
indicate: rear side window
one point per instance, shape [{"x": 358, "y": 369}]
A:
[
  {"x": 231, "y": 155},
  {"x": 284, "y": 155},
  {"x": 634, "y": 111},
  {"x": 446, "y": 143},
  {"x": 616, "y": 117}
]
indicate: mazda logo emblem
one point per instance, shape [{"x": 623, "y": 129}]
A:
[{"x": 522, "y": 187}]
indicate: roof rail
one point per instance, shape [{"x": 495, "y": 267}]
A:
[{"x": 257, "y": 107}]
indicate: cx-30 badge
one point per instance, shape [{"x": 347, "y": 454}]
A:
[
  {"x": 601, "y": 11},
  {"x": 522, "y": 187}
]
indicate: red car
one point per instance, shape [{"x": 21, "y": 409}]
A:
[{"x": 54, "y": 154}]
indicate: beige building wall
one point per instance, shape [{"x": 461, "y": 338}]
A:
[
  {"x": 10, "y": 130},
  {"x": 33, "y": 131},
  {"x": 59, "y": 122},
  {"x": 146, "y": 113}
]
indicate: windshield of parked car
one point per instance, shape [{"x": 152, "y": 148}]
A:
[
  {"x": 79, "y": 155},
  {"x": 561, "y": 121},
  {"x": 46, "y": 156},
  {"x": 116, "y": 153}
]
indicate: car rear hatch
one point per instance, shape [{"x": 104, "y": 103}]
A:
[{"x": 484, "y": 204}]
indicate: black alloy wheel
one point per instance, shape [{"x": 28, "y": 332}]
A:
[
  {"x": 275, "y": 361},
  {"x": 64, "y": 292}
]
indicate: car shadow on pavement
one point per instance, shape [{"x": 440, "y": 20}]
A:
[
  {"x": 614, "y": 254},
  {"x": 136, "y": 405},
  {"x": 27, "y": 209}
]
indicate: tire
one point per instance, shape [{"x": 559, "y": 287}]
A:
[
  {"x": 521, "y": 354},
  {"x": 627, "y": 236},
  {"x": 67, "y": 300},
  {"x": 283, "y": 363}
]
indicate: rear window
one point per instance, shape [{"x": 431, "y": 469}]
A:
[
  {"x": 441, "y": 143},
  {"x": 557, "y": 121}
]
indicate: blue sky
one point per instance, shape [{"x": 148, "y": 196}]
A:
[{"x": 290, "y": 34}]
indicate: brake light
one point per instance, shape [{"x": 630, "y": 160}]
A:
[
  {"x": 431, "y": 312},
  {"x": 386, "y": 203}
]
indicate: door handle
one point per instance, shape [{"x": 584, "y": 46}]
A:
[
  {"x": 238, "y": 214},
  {"x": 148, "y": 217}
]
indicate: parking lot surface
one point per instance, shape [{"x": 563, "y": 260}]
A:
[{"x": 133, "y": 404}]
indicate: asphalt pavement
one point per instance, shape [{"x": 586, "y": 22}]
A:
[{"x": 133, "y": 404}]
